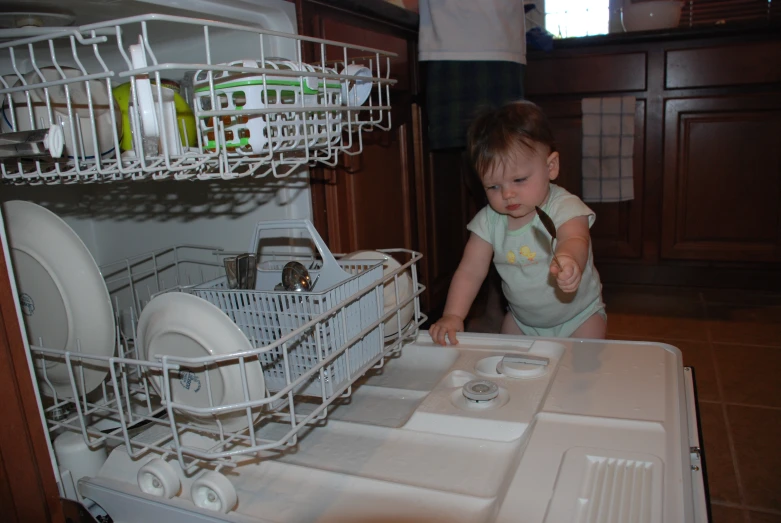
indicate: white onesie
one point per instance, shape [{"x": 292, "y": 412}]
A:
[{"x": 523, "y": 257}]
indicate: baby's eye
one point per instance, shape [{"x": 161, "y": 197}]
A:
[
  {"x": 519, "y": 180},
  {"x": 491, "y": 187}
]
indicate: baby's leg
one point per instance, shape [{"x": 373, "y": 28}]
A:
[
  {"x": 509, "y": 326},
  {"x": 593, "y": 328}
]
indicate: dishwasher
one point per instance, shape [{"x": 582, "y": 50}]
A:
[{"x": 198, "y": 352}]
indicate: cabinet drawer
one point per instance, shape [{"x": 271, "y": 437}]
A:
[
  {"x": 752, "y": 63},
  {"x": 586, "y": 74}
]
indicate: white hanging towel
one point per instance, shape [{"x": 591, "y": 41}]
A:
[{"x": 608, "y": 145}]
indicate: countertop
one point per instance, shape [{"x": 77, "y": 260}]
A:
[
  {"x": 407, "y": 19},
  {"x": 677, "y": 33}
]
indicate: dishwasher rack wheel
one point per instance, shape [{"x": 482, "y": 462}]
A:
[
  {"x": 158, "y": 478},
  {"x": 213, "y": 491}
]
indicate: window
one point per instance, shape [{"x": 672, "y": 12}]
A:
[{"x": 569, "y": 18}]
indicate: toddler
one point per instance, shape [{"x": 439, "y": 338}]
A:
[{"x": 512, "y": 150}]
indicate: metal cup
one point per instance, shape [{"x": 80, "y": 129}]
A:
[
  {"x": 231, "y": 272},
  {"x": 241, "y": 271},
  {"x": 246, "y": 271}
]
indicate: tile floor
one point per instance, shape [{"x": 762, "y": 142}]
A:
[{"x": 733, "y": 341}]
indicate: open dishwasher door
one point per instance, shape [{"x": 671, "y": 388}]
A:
[{"x": 497, "y": 428}]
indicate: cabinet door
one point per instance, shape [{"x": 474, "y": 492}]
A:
[
  {"x": 722, "y": 179},
  {"x": 365, "y": 202},
  {"x": 617, "y": 232},
  {"x": 366, "y": 199},
  {"x": 449, "y": 206}
]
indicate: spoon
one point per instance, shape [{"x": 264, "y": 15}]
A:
[
  {"x": 295, "y": 277},
  {"x": 551, "y": 228}
]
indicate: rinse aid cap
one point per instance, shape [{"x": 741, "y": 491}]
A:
[
  {"x": 522, "y": 365},
  {"x": 480, "y": 390}
]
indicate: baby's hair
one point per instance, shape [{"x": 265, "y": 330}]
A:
[{"x": 495, "y": 133}]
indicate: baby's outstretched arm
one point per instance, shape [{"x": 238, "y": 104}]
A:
[
  {"x": 464, "y": 287},
  {"x": 572, "y": 243}
]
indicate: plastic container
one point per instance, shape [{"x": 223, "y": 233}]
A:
[{"x": 305, "y": 124}]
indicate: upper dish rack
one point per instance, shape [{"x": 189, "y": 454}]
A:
[{"x": 168, "y": 97}]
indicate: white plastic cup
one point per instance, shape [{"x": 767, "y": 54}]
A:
[{"x": 74, "y": 455}]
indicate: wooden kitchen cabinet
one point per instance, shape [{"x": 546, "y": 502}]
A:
[
  {"x": 449, "y": 206},
  {"x": 396, "y": 193},
  {"x": 617, "y": 232},
  {"x": 707, "y": 206},
  {"x": 722, "y": 178},
  {"x": 367, "y": 201}
]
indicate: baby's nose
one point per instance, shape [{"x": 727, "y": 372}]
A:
[{"x": 507, "y": 192}]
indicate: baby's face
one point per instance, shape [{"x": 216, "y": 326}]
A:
[{"x": 514, "y": 186}]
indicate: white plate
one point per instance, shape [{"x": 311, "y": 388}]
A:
[
  {"x": 183, "y": 325},
  {"x": 62, "y": 294},
  {"x": 389, "y": 292}
]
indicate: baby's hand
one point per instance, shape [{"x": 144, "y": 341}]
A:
[
  {"x": 568, "y": 277},
  {"x": 447, "y": 325}
]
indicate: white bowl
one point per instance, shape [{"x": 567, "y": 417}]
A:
[
  {"x": 389, "y": 291},
  {"x": 81, "y": 125},
  {"x": 646, "y": 16}
]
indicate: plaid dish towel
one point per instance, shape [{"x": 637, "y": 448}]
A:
[{"x": 608, "y": 145}]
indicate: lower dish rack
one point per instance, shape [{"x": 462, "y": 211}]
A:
[{"x": 307, "y": 366}]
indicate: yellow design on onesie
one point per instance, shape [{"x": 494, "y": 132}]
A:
[
  {"x": 510, "y": 257},
  {"x": 527, "y": 253}
]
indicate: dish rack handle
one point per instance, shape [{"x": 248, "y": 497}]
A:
[{"x": 330, "y": 274}]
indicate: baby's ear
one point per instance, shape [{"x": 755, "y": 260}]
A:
[{"x": 553, "y": 165}]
